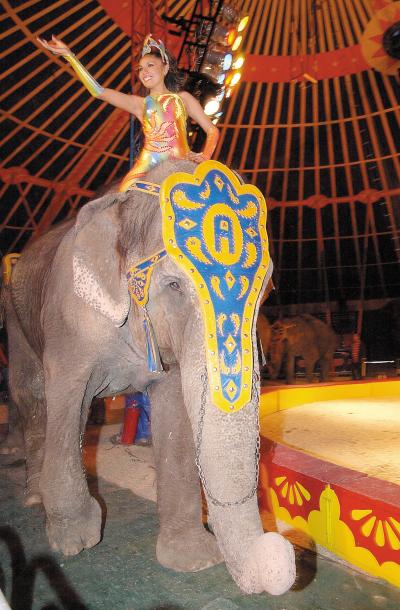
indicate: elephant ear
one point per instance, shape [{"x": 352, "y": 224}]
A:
[
  {"x": 87, "y": 212},
  {"x": 96, "y": 261}
]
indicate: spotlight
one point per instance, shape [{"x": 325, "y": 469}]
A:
[
  {"x": 238, "y": 62},
  {"x": 211, "y": 106},
  {"x": 204, "y": 89},
  {"x": 231, "y": 15},
  {"x": 233, "y": 79},
  {"x": 215, "y": 73},
  {"x": 223, "y": 35},
  {"x": 237, "y": 43},
  {"x": 243, "y": 23},
  {"x": 218, "y": 57},
  {"x": 217, "y": 117}
]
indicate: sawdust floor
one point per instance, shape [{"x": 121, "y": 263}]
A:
[
  {"x": 361, "y": 434},
  {"x": 121, "y": 572}
]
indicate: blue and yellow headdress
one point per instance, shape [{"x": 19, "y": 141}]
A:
[{"x": 151, "y": 43}]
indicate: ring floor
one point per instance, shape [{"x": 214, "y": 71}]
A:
[{"x": 121, "y": 573}]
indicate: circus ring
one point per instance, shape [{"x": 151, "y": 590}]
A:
[{"x": 342, "y": 497}]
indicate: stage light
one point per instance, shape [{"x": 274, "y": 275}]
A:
[
  {"x": 229, "y": 14},
  {"x": 211, "y": 106},
  {"x": 215, "y": 73},
  {"x": 238, "y": 62},
  {"x": 223, "y": 35},
  {"x": 237, "y": 43},
  {"x": 243, "y": 23},
  {"x": 218, "y": 57},
  {"x": 228, "y": 93},
  {"x": 227, "y": 61},
  {"x": 233, "y": 78}
]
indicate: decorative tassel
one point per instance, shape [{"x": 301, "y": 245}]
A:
[{"x": 153, "y": 353}]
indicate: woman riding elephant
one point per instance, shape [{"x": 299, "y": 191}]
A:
[{"x": 75, "y": 333}]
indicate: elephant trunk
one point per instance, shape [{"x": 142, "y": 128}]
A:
[{"x": 227, "y": 458}]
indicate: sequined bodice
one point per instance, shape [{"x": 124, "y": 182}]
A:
[
  {"x": 164, "y": 125},
  {"x": 164, "y": 128}
]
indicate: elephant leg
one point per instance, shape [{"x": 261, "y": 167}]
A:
[
  {"x": 290, "y": 369},
  {"x": 26, "y": 383},
  {"x": 310, "y": 366},
  {"x": 325, "y": 364},
  {"x": 73, "y": 516},
  {"x": 183, "y": 543}
]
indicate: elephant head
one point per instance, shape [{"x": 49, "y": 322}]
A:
[{"x": 199, "y": 264}]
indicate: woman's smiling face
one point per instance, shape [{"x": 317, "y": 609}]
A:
[{"x": 152, "y": 71}]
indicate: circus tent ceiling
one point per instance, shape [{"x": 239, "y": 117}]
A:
[{"x": 314, "y": 124}]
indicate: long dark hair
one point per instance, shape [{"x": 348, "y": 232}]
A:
[{"x": 175, "y": 79}]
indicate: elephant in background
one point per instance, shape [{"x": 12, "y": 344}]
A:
[
  {"x": 74, "y": 334},
  {"x": 305, "y": 336}
]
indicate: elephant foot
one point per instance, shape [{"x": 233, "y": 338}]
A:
[
  {"x": 73, "y": 534},
  {"x": 270, "y": 566},
  {"x": 188, "y": 551},
  {"x": 32, "y": 492},
  {"x": 31, "y": 499}
]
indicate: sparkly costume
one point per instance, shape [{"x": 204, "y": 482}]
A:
[{"x": 164, "y": 127}]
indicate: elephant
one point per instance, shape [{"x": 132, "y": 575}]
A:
[
  {"x": 305, "y": 336},
  {"x": 75, "y": 333}
]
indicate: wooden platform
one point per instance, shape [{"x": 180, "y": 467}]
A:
[{"x": 330, "y": 469}]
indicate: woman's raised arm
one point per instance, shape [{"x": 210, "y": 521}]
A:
[{"x": 130, "y": 103}]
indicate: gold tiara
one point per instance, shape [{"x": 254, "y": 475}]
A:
[{"x": 150, "y": 43}]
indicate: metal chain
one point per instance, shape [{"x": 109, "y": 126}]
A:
[{"x": 254, "y": 402}]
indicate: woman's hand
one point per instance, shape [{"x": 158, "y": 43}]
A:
[
  {"x": 196, "y": 157},
  {"x": 55, "y": 45}
]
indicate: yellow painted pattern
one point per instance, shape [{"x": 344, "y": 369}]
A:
[{"x": 324, "y": 526}]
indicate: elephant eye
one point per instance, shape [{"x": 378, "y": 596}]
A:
[{"x": 175, "y": 286}]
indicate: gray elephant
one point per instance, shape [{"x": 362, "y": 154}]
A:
[
  {"x": 304, "y": 336},
  {"x": 74, "y": 333}
]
